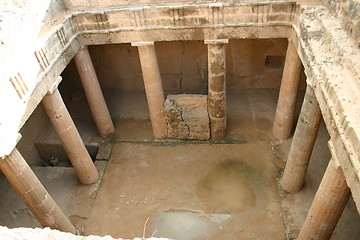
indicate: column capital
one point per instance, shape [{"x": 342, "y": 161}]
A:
[
  {"x": 82, "y": 47},
  {"x": 334, "y": 156},
  {"x": 217, "y": 41},
  {"x": 175, "y": 7},
  {"x": 54, "y": 86},
  {"x": 217, "y": 4},
  {"x": 138, "y": 44},
  {"x": 7, "y": 147}
]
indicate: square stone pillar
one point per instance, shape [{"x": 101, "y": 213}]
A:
[
  {"x": 217, "y": 87},
  {"x": 153, "y": 87}
]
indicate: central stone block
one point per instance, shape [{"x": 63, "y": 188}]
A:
[{"x": 187, "y": 116}]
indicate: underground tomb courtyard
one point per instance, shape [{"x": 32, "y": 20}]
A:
[{"x": 238, "y": 71}]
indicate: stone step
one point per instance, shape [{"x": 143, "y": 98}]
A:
[{"x": 51, "y": 150}]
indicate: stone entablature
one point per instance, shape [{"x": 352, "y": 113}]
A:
[{"x": 332, "y": 67}]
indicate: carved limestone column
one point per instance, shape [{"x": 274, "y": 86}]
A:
[
  {"x": 217, "y": 87},
  {"x": 153, "y": 87},
  {"x": 93, "y": 92},
  {"x": 302, "y": 143},
  {"x": 327, "y": 206},
  {"x": 35, "y": 196},
  {"x": 70, "y": 137},
  {"x": 284, "y": 116}
]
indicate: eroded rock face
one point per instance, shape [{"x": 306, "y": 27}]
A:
[{"x": 187, "y": 116}]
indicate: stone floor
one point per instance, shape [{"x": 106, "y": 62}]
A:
[
  {"x": 187, "y": 190},
  {"x": 202, "y": 191}
]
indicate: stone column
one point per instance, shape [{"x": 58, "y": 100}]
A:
[
  {"x": 70, "y": 138},
  {"x": 153, "y": 87},
  {"x": 328, "y": 205},
  {"x": 302, "y": 143},
  {"x": 35, "y": 196},
  {"x": 284, "y": 116},
  {"x": 93, "y": 93},
  {"x": 217, "y": 87}
]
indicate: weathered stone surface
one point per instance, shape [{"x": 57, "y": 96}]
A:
[
  {"x": 187, "y": 116},
  {"x": 47, "y": 233}
]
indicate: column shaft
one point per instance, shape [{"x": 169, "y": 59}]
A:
[
  {"x": 302, "y": 143},
  {"x": 35, "y": 196},
  {"x": 70, "y": 138},
  {"x": 327, "y": 206},
  {"x": 153, "y": 87},
  {"x": 93, "y": 93},
  {"x": 217, "y": 87},
  {"x": 284, "y": 116}
]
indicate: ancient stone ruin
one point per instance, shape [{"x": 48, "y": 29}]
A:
[{"x": 192, "y": 119}]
